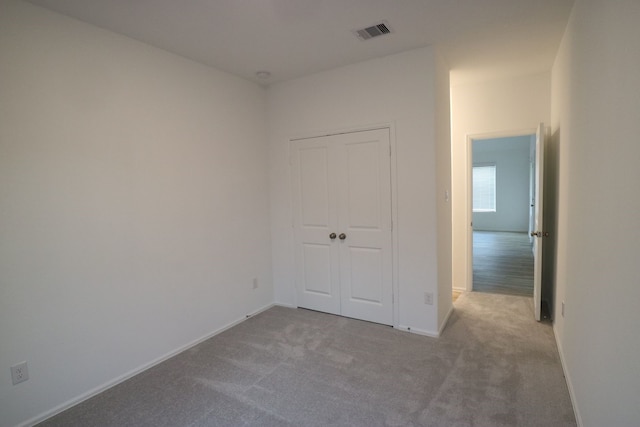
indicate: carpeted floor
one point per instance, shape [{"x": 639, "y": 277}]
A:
[{"x": 493, "y": 366}]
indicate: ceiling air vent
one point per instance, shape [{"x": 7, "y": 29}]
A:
[{"x": 379, "y": 29}]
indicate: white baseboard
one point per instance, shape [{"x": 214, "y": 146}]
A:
[
  {"x": 445, "y": 321},
  {"x": 399, "y": 327},
  {"x": 567, "y": 378},
  {"x": 280, "y": 304},
  {"x": 418, "y": 331},
  {"x": 258, "y": 311},
  {"x": 114, "y": 382}
]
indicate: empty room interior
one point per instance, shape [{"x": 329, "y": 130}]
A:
[
  {"x": 503, "y": 218},
  {"x": 261, "y": 213}
]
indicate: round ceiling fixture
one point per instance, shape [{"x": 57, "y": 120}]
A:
[{"x": 263, "y": 75}]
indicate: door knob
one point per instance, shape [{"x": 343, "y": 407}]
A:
[
  {"x": 332, "y": 236},
  {"x": 342, "y": 236}
]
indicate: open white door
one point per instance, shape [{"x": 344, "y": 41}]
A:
[{"x": 538, "y": 232}]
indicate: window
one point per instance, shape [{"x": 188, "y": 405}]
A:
[{"x": 484, "y": 188}]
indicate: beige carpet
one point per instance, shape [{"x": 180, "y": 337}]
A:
[{"x": 493, "y": 366}]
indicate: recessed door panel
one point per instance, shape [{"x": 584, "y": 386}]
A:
[
  {"x": 317, "y": 269},
  {"x": 363, "y": 184},
  {"x": 314, "y": 186},
  {"x": 365, "y": 284}
]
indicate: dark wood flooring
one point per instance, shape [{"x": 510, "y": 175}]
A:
[{"x": 502, "y": 263}]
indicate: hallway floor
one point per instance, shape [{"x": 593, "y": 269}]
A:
[{"x": 502, "y": 263}]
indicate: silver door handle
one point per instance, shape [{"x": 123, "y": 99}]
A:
[{"x": 539, "y": 234}]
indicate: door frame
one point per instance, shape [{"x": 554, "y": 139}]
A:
[
  {"x": 469, "y": 214},
  {"x": 394, "y": 200}
]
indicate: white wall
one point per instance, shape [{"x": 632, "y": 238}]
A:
[
  {"x": 400, "y": 90},
  {"x": 134, "y": 207},
  {"x": 511, "y": 156},
  {"x": 443, "y": 188},
  {"x": 488, "y": 109},
  {"x": 596, "y": 93}
]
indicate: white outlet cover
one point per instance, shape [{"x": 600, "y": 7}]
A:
[
  {"x": 428, "y": 298},
  {"x": 19, "y": 373}
]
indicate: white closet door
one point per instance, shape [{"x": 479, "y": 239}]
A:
[
  {"x": 364, "y": 217},
  {"x": 315, "y": 218},
  {"x": 342, "y": 185}
]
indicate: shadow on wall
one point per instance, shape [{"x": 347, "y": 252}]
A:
[{"x": 550, "y": 219}]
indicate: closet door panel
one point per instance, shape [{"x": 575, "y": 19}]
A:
[
  {"x": 364, "y": 216},
  {"x": 315, "y": 218}
]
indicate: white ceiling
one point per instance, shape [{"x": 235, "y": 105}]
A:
[{"x": 481, "y": 39}]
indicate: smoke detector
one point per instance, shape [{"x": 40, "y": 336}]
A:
[
  {"x": 375, "y": 30},
  {"x": 263, "y": 74}
]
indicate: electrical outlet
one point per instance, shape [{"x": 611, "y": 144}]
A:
[
  {"x": 19, "y": 373},
  {"x": 428, "y": 298},
  {"x": 255, "y": 283}
]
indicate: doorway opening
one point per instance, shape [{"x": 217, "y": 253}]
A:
[
  {"x": 503, "y": 186},
  {"x": 534, "y": 204}
]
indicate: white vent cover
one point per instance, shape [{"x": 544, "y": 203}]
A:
[{"x": 379, "y": 29}]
